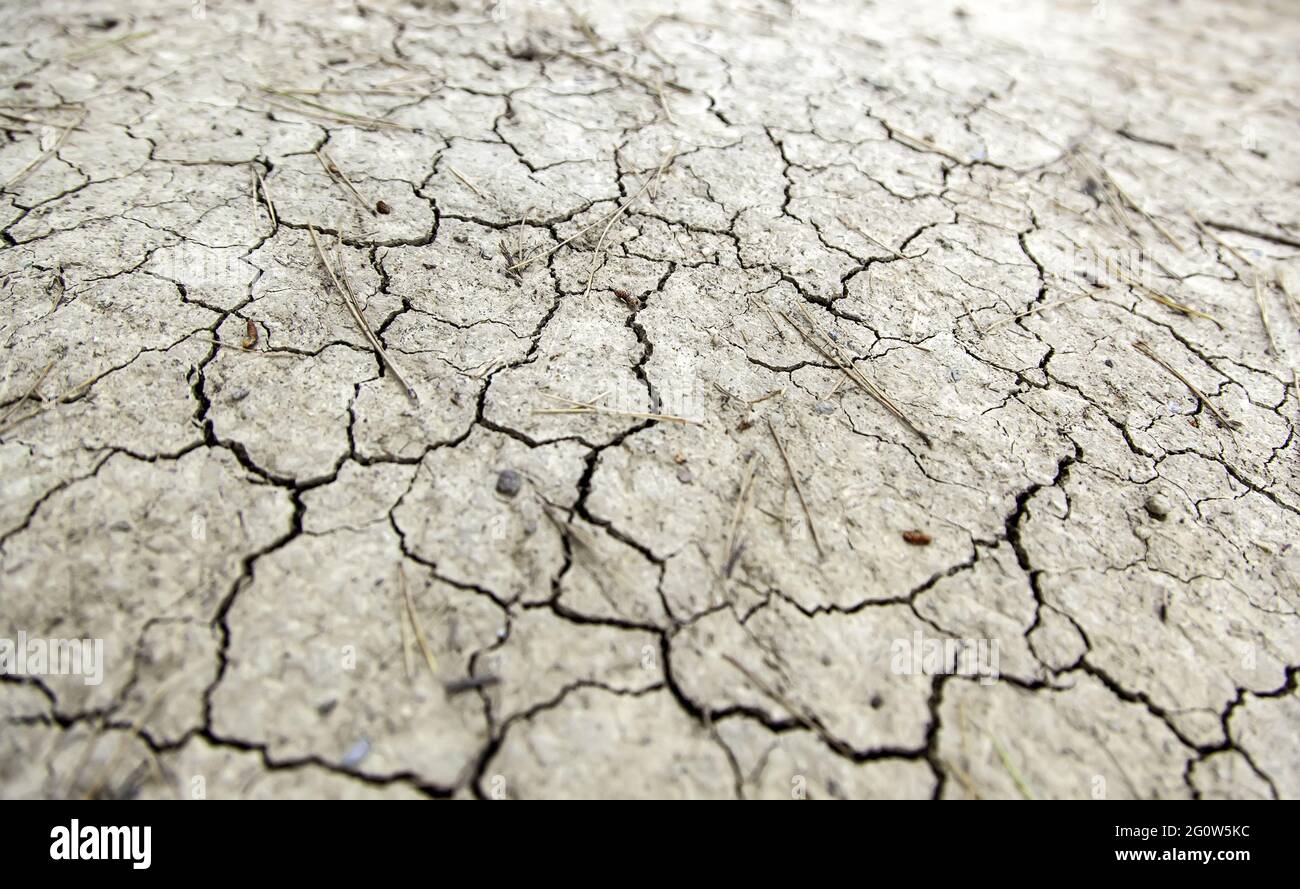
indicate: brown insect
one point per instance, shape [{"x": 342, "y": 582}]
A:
[
  {"x": 917, "y": 538},
  {"x": 251, "y": 340},
  {"x": 628, "y": 299}
]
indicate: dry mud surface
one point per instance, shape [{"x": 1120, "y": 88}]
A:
[{"x": 705, "y": 212}]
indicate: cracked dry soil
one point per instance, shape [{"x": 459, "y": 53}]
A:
[{"x": 705, "y": 212}]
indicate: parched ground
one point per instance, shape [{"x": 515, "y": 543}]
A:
[{"x": 1055, "y": 246}]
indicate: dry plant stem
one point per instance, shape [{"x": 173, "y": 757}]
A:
[
  {"x": 1218, "y": 414},
  {"x": 738, "y": 517},
  {"x": 650, "y": 186},
  {"x": 881, "y": 244},
  {"x": 1263, "y": 316},
  {"x": 98, "y": 783},
  {"x": 416, "y": 629},
  {"x": 1165, "y": 299},
  {"x": 337, "y": 115},
  {"x": 798, "y": 489},
  {"x": 926, "y": 144},
  {"x": 470, "y": 185},
  {"x": 797, "y": 712},
  {"x": 358, "y": 91},
  {"x": 622, "y": 208},
  {"x": 580, "y": 22},
  {"x": 1254, "y": 233},
  {"x": 349, "y": 298},
  {"x": 590, "y": 407},
  {"x": 1034, "y": 311},
  {"x": 836, "y": 355},
  {"x": 266, "y": 196},
  {"x": 334, "y": 171},
  {"x": 1218, "y": 240},
  {"x": 403, "y": 623},
  {"x": 1289, "y": 298},
  {"x": 45, "y": 155},
  {"x": 105, "y": 44},
  {"x": 623, "y": 72},
  {"x": 31, "y": 390},
  {"x": 62, "y": 398},
  {"x": 1164, "y": 233}
]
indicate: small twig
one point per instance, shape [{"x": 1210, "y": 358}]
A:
[
  {"x": 31, "y": 390},
  {"x": 832, "y": 352},
  {"x": 429, "y": 659},
  {"x": 926, "y": 144},
  {"x": 335, "y": 172},
  {"x": 1218, "y": 414},
  {"x": 618, "y": 211},
  {"x": 1263, "y": 316},
  {"x": 1163, "y": 298},
  {"x": 45, "y": 155},
  {"x": 595, "y": 259},
  {"x": 881, "y": 244},
  {"x": 266, "y": 196},
  {"x": 1218, "y": 240},
  {"x": 470, "y": 185},
  {"x": 62, "y": 398},
  {"x": 798, "y": 489},
  {"x": 1140, "y": 210},
  {"x": 623, "y": 72},
  {"x": 354, "y": 307},
  {"x": 105, "y": 44},
  {"x": 335, "y": 114},
  {"x": 743, "y": 500},
  {"x": 403, "y": 622},
  {"x": 353, "y": 91},
  {"x": 137, "y": 724},
  {"x": 762, "y": 398},
  {"x": 590, "y": 407},
  {"x": 1011, "y": 769},
  {"x": 581, "y": 23},
  {"x": 1034, "y": 311},
  {"x": 1254, "y": 233},
  {"x": 804, "y": 718}
]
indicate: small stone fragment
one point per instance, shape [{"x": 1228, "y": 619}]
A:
[
  {"x": 684, "y": 475},
  {"x": 1157, "y": 507},
  {"x": 509, "y": 482},
  {"x": 824, "y": 408},
  {"x": 359, "y": 751},
  {"x": 383, "y": 208}
]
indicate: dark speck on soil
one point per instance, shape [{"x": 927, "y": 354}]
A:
[{"x": 509, "y": 482}]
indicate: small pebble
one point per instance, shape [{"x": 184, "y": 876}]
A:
[
  {"x": 1157, "y": 507},
  {"x": 684, "y": 475},
  {"x": 358, "y": 752},
  {"x": 509, "y": 482},
  {"x": 824, "y": 407},
  {"x": 383, "y": 208}
]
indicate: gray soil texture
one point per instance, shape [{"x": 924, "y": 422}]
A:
[{"x": 722, "y": 399}]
